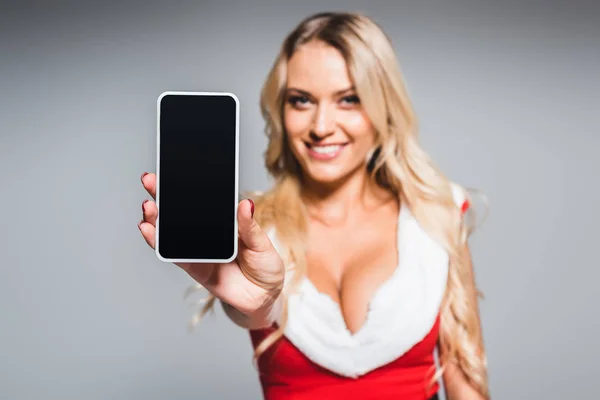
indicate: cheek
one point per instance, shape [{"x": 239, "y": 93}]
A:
[
  {"x": 296, "y": 123},
  {"x": 360, "y": 128}
]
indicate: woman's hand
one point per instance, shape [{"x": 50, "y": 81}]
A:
[{"x": 252, "y": 282}]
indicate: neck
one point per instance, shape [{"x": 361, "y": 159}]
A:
[{"x": 337, "y": 203}]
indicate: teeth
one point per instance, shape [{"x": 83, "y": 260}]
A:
[{"x": 326, "y": 149}]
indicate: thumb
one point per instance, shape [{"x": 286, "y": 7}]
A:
[{"x": 250, "y": 232}]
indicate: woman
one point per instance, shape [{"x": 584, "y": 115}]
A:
[{"x": 354, "y": 267}]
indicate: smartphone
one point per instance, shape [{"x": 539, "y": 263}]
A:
[{"x": 197, "y": 177}]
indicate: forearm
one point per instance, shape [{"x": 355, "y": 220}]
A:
[
  {"x": 457, "y": 387},
  {"x": 463, "y": 394},
  {"x": 261, "y": 318}
]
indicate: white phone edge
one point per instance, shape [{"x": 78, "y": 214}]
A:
[{"x": 236, "y": 190}]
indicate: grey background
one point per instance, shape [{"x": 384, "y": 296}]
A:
[{"x": 506, "y": 93}]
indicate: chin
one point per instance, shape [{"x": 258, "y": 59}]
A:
[
  {"x": 327, "y": 173},
  {"x": 324, "y": 176}
]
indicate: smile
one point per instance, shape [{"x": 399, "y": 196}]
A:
[{"x": 325, "y": 152}]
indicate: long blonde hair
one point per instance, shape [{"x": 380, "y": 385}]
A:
[{"x": 398, "y": 163}]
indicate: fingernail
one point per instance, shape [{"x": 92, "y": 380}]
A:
[
  {"x": 143, "y": 175},
  {"x": 140, "y": 225},
  {"x": 143, "y": 204},
  {"x": 251, "y": 207}
]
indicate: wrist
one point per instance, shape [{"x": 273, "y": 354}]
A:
[
  {"x": 262, "y": 317},
  {"x": 267, "y": 313}
]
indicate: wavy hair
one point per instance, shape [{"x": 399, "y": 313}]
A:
[{"x": 398, "y": 163}]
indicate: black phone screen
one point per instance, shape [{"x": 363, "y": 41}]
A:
[{"x": 197, "y": 177}]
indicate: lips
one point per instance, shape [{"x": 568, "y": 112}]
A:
[{"x": 325, "y": 151}]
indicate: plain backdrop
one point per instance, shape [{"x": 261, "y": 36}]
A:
[{"x": 507, "y": 96}]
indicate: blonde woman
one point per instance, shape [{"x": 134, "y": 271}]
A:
[{"x": 354, "y": 268}]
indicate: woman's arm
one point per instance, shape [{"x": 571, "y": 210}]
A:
[
  {"x": 457, "y": 386},
  {"x": 262, "y": 318}
]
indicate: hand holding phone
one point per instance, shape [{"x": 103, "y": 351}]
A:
[
  {"x": 195, "y": 220},
  {"x": 251, "y": 281}
]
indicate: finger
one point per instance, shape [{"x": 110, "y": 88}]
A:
[
  {"x": 149, "y": 212},
  {"x": 148, "y": 230},
  {"x": 149, "y": 183},
  {"x": 250, "y": 233}
]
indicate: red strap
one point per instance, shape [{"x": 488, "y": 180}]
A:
[{"x": 465, "y": 206}]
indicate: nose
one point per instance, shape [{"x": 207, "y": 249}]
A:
[{"x": 323, "y": 123}]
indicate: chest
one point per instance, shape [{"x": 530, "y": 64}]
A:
[{"x": 349, "y": 265}]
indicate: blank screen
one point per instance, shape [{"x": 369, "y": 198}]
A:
[{"x": 197, "y": 176}]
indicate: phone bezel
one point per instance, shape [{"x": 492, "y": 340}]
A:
[{"x": 236, "y": 185}]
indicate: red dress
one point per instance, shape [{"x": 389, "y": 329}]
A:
[{"x": 287, "y": 374}]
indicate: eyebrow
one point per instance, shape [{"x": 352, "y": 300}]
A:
[{"x": 305, "y": 93}]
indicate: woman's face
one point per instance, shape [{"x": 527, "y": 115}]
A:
[{"x": 328, "y": 130}]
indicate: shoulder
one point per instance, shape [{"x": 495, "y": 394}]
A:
[{"x": 461, "y": 197}]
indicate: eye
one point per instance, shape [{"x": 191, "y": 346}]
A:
[
  {"x": 297, "y": 100},
  {"x": 352, "y": 99}
]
